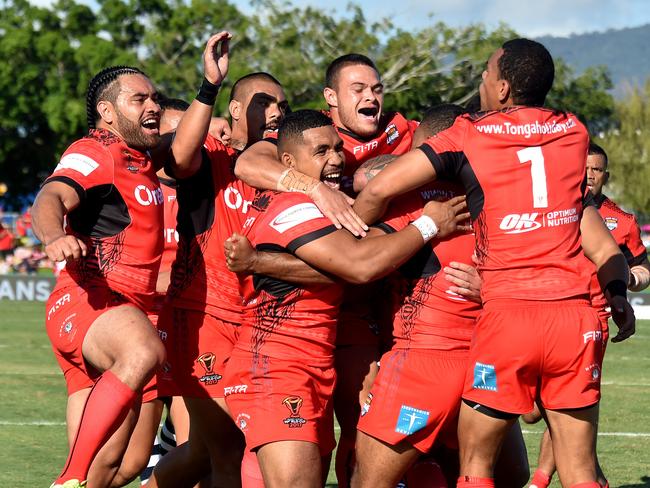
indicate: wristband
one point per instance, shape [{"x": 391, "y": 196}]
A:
[
  {"x": 208, "y": 92},
  {"x": 426, "y": 226},
  {"x": 616, "y": 288}
]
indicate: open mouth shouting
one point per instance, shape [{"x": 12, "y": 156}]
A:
[
  {"x": 151, "y": 125},
  {"x": 332, "y": 178}
]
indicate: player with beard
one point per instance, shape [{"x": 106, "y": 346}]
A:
[
  {"x": 354, "y": 94},
  {"x": 105, "y": 186},
  {"x": 280, "y": 377},
  {"x": 201, "y": 324},
  {"x": 518, "y": 161},
  {"x": 627, "y": 234}
]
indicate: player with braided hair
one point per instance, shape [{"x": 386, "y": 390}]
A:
[{"x": 101, "y": 212}]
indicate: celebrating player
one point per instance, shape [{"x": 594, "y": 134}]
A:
[{"x": 523, "y": 168}]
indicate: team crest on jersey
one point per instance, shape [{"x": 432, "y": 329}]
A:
[
  {"x": 485, "y": 377},
  {"x": 594, "y": 372},
  {"x": 410, "y": 420},
  {"x": 261, "y": 201},
  {"x": 129, "y": 162},
  {"x": 366, "y": 405},
  {"x": 206, "y": 361},
  {"x": 68, "y": 329},
  {"x": 242, "y": 421},
  {"x": 391, "y": 133},
  {"x": 293, "y": 404},
  {"x": 611, "y": 223}
]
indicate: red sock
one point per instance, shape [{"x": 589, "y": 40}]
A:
[
  {"x": 587, "y": 484},
  {"x": 251, "y": 474},
  {"x": 474, "y": 482},
  {"x": 540, "y": 480},
  {"x": 106, "y": 408}
]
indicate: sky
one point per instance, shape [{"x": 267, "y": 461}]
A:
[{"x": 528, "y": 18}]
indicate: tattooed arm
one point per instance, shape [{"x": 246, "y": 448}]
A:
[{"x": 368, "y": 170}]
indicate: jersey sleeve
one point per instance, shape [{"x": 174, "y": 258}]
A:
[
  {"x": 445, "y": 150},
  {"x": 293, "y": 221},
  {"x": 401, "y": 212},
  {"x": 637, "y": 251},
  {"x": 84, "y": 165}
]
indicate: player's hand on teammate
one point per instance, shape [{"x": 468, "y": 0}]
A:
[
  {"x": 623, "y": 316},
  {"x": 65, "y": 248},
  {"x": 465, "y": 280},
  {"x": 240, "y": 254},
  {"x": 449, "y": 216},
  {"x": 215, "y": 57},
  {"x": 337, "y": 207},
  {"x": 220, "y": 130}
]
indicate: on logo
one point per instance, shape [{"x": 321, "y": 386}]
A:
[
  {"x": 518, "y": 223},
  {"x": 146, "y": 197}
]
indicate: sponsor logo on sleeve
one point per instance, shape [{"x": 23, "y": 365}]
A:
[
  {"x": 231, "y": 390},
  {"x": 243, "y": 419},
  {"x": 485, "y": 377},
  {"x": 294, "y": 216},
  {"x": 391, "y": 134},
  {"x": 611, "y": 223},
  {"x": 410, "y": 420},
  {"x": 77, "y": 162}
]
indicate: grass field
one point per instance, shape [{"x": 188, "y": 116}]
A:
[{"x": 32, "y": 406}]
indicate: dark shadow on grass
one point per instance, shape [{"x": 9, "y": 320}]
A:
[{"x": 644, "y": 483}]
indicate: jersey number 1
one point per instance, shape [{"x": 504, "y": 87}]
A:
[{"x": 537, "y": 173}]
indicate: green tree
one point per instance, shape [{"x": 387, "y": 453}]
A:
[{"x": 628, "y": 149}]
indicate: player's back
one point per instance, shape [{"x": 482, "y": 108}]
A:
[{"x": 524, "y": 171}]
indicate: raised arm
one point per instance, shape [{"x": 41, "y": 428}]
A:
[
  {"x": 54, "y": 201},
  {"x": 613, "y": 272},
  {"x": 406, "y": 173},
  {"x": 185, "y": 153},
  {"x": 259, "y": 167}
]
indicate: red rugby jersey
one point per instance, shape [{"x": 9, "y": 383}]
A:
[
  {"x": 524, "y": 172},
  {"x": 120, "y": 216},
  {"x": 426, "y": 314},
  {"x": 626, "y": 233},
  {"x": 212, "y": 204},
  {"x": 394, "y": 136},
  {"x": 283, "y": 320},
  {"x": 170, "y": 235}
]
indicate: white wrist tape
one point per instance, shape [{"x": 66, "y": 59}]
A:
[{"x": 426, "y": 226}]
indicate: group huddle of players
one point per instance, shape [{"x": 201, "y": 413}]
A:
[{"x": 427, "y": 283}]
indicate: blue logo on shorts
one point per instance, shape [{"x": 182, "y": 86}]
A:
[
  {"x": 411, "y": 420},
  {"x": 485, "y": 377}
]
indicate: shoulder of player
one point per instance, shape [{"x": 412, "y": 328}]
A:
[
  {"x": 87, "y": 154},
  {"x": 609, "y": 206},
  {"x": 214, "y": 146}
]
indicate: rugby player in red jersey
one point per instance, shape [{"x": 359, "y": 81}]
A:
[
  {"x": 106, "y": 188},
  {"x": 523, "y": 169},
  {"x": 280, "y": 378},
  {"x": 432, "y": 325},
  {"x": 354, "y": 94},
  {"x": 627, "y": 234}
]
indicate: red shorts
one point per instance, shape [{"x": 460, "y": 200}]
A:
[
  {"x": 198, "y": 347},
  {"x": 273, "y": 400},
  {"x": 521, "y": 349},
  {"x": 71, "y": 310},
  {"x": 401, "y": 406}
]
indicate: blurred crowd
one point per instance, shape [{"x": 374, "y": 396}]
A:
[{"x": 20, "y": 251}]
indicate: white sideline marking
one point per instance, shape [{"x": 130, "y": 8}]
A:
[
  {"x": 618, "y": 383},
  {"x": 604, "y": 434},
  {"x": 33, "y": 423},
  {"x": 30, "y": 373}
]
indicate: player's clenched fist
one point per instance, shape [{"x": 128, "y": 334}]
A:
[
  {"x": 65, "y": 247},
  {"x": 240, "y": 255}
]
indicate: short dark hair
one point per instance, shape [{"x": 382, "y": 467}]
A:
[
  {"x": 528, "y": 67},
  {"x": 335, "y": 67},
  {"x": 440, "y": 117},
  {"x": 596, "y": 150},
  {"x": 172, "y": 104},
  {"x": 295, "y": 123},
  {"x": 103, "y": 86},
  {"x": 239, "y": 87}
]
